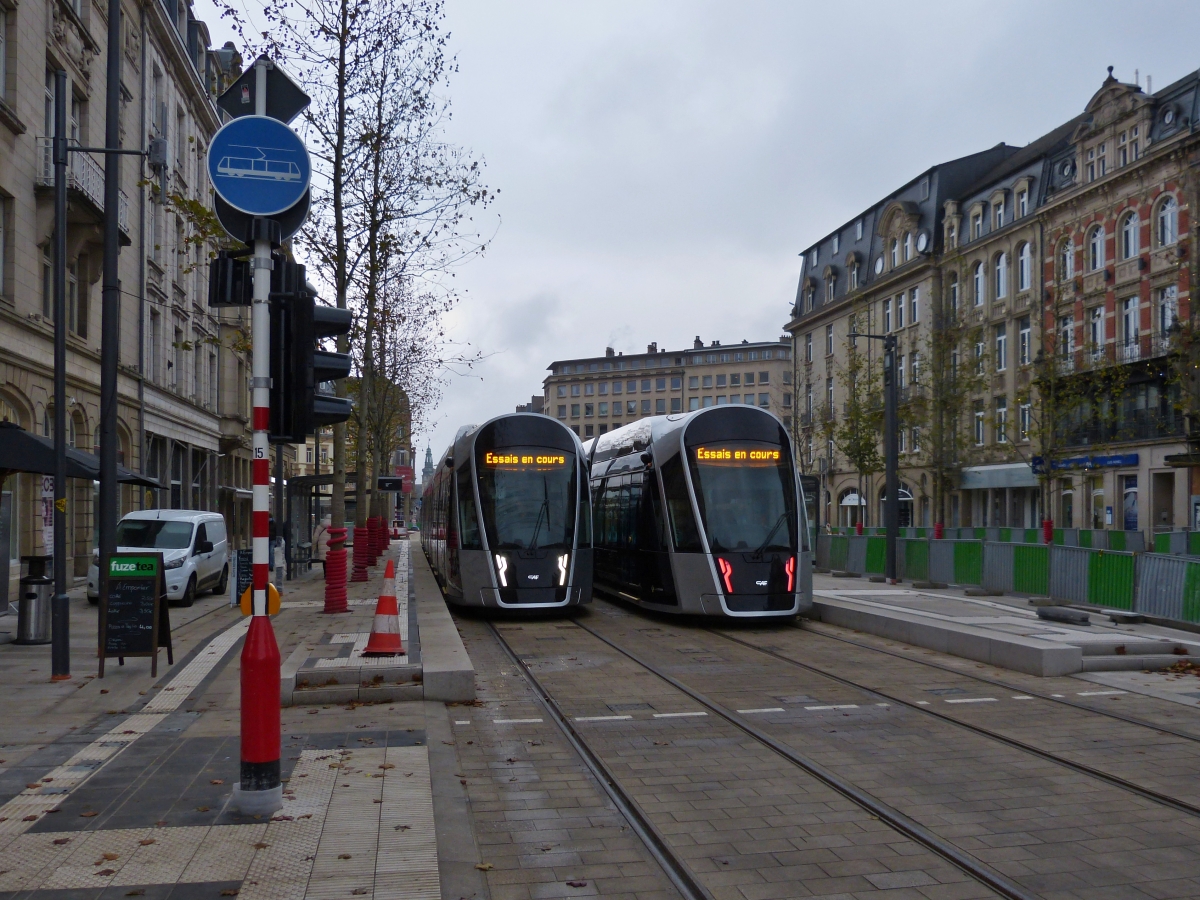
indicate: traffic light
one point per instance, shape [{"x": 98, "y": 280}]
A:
[
  {"x": 229, "y": 281},
  {"x": 298, "y": 367}
]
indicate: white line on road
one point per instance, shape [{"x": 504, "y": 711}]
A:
[
  {"x": 678, "y": 715},
  {"x": 973, "y": 700},
  {"x": 515, "y": 721},
  {"x": 1100, "y": 693},
  {"x": 922, "y": 703},
  {"x": 764, "y": 710},
  {"x": 844, "y": 706},
  {"x": 1022, "y": 697},
  {"x": 462, "y": 721},
  {"x": 600, "y": 718}
]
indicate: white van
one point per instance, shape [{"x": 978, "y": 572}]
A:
[{"x": 194, "y": 546}]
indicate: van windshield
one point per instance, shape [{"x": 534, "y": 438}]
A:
[{"x": 154, "y": 534}]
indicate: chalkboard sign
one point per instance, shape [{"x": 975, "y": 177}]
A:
[
  {"x": 134, "y": 620},
  {"x": 244, "y": 568}
]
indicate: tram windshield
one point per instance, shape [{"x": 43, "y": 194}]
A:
[
  {"x": 746, "y": 495},
  {"x": 528, "y": 497}
]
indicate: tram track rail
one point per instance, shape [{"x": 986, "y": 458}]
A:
[
  {"x": 1082, "y": 768},
  {"x": 673, "y": 866},
  {"x": 994, "y": 682}
]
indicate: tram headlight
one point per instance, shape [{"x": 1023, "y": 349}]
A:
[
  {"x": 502, "y": 570},
  {"x": 563, "y": 559}
]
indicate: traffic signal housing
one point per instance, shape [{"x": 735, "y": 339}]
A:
[{"x": 299, "y": 367}]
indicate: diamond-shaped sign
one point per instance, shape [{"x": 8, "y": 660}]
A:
[{"x": 285, "y": 100}]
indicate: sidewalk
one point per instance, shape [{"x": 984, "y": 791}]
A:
[{"x": 120, "y": 787}]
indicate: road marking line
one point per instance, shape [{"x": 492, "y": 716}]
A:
[
  {"x": 678, "y": 715},
  {"x": 844, "y": 706},
  {"x": 20, "y": 813},
  {"x": 1058, "y": 695},
  {"x": 883, "y": 704},
  {"x": 1022, "y": 697},
  {"x": 515, "y": 721},
  {"x": 922, "y": 703},
  {"x": 462, "y": 721},
  {"x": 600, "y": 718},
  {"x": 1099, "y": 693},
  {"x": 973, "y": 700},
  {"x": 765, "y": 710}
]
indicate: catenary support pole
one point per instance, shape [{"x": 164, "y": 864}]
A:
[
  {"x": 110, "y": 300},
  {"x": 891, "y": 456},
  {"x": 260, "y": 791},
  {"x": 60, "y": 610}
]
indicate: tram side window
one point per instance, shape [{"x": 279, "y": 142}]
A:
[
  {"x": 679, "y": 507},
  {"x": 585, "y": 516},
  {"x": 468, "y": 518}
]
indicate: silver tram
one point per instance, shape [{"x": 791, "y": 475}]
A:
[
  {"x": 701, "y": 513},
  {"x": 505, "y": 520}
]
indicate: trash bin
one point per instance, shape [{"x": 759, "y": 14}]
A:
[{"x": 33, "y": 603}]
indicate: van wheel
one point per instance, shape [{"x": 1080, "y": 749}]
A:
[
  {"x": 223, "y": 584},
  {"x": 189, "y": 595}
]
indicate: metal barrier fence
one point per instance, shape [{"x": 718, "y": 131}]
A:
[
  {"x": 1069, "y": 573},
  {"x": 998, "y": 566}
]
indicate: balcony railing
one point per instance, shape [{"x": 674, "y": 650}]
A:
[
  {"x": 84, "y": 174},
  {"x": 1121, "y": 352},
  {"x": 1134, "y": 425}
]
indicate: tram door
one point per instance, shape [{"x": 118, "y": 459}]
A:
[
  {"x": 654, "y": 558},
  {"x": 811, "y": 486}
]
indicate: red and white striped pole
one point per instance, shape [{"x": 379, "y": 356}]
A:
[{"x": 260, "y": 791}]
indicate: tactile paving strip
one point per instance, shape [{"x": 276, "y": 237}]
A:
[{"x": 359, "y": 640}]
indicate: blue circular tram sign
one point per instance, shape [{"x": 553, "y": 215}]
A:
[{"x": 258, "y": 165}]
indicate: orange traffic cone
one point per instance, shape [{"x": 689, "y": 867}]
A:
[{"x": 385, "y": 633}]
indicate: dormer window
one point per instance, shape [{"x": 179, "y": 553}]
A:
[
  {"x": 1022, "y": 203},
  {"x": 836, "y": 242},
  {"x": 895, "y": 253},
  {"x": 999, "y": 207},
  {"x": 1123, "y": 149},
  {"x": 1091, "y": 164},
  {"x": 908, "y": 246},
  {"x": 830, "y": 285},
  {"x": 812, "y": 259},
  {"x": 1133, "y": 144},
  {"x": 854, "y": 277},
  {"x": 977, "y": 226},
  {"x": 858, "y": 230},
  {"x": 1101, "y": 166},
  {"x": 952, "y": 236}
]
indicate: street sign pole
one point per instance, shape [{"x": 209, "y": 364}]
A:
[
  {"x": 260, "y": 791},
  {"x": 891, "y": 456},
  {"x": 60, "y": 609}
]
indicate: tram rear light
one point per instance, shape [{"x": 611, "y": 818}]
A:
[
  {"x": 562, "y": 569},
  {"x": 502, "y": 570},
  {"x": 726, "y": 568},
  {"x": 790, "y": 568}
]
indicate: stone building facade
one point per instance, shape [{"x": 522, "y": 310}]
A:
[
  {"x": 182, "y": 391},
  {"x": 1063, "y": 265},
  {"x": 595, "y": 395}
]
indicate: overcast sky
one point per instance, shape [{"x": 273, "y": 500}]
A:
[{"x": 662, "y": 164}]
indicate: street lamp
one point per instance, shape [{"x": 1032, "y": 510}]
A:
[{"x": 891, "y": 451}]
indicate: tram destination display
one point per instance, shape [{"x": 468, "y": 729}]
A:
[
  {"x": 738, "y": 455},
  {"x": 134, "y": 618},
  {"x": 522, "y": 458}
]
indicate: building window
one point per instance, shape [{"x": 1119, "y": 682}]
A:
[
  {"x": 1095, "y": 248},
  {"x": 858, "y": 230},
  {"x": 764, "y": 400},
  {"x": 693, "y": 403},
  {"x": 645, "y": 407},
  {"x": 978, "y": 284},
  {"x": 854, "y": 277},
  {"x": 1001, "y": 420},
  {"x": 603, "y": 410},
  {"x": 589, "y": 430},
  {"x": 722, "y": 381},
  {"x": 895, "y": 253},
  {"x": 1022, "y": 203},
  {"x": 1130, "y": 314},
  {"x": 1024, "y": 421},
  {"x": 900, "y": 371},
  {"x": 602, "y": 388},
  {"x": 924, "y": 188},
  {"x": 1091, "y": 164},
  {"x": 952, "y": 236},
  {"x": 574, "y": 410},
  {"x": 1001, "y": 347},
  {"x": 953, "y": 295},
  {"x": 1168, "y": 308},
  {"x": 589, "y": 389},
  {"x": 660, "y": 384},
  {"x": 914, "y": 305},
  {"x": 887, "y": 316},
  {"x": 1123, "y": 149},
  {"x": 1101, "y": 161},
  {"x": 977, "y": 226},
  {"x": 1066, "y": 335},
  {"x": 1025, "y": 346},
  {"x": 837, "y": 242},
  {"x": 1133, "y": 144},
  {"x": 735, "y": 379},
  {"x": 561, "y": 391},
  {"x": 47, "y": 284},
  {"x": 749, "y": 378},
  {"x": 899, "y": 311},
  {"x": 1129, "y": 236},
  {"x": 763, "y": 378},
  {"x": 677, "y": 383},
  {"x": 693, "y": 382},
  {"x": 630, "y": 407},
  {"x": 707, "y": 380},
  {"x": 979, "y": 423},
  {"x": 808, "y": 347},
  {"x": 830, "y": 284},
  {"x": 829, "y": 396},
  {"x": 77, "y": 313},
  {"x": 1095, "y": 325},
  {"x": 574, "y": 390},
  {"x": 1001, "y": 280},
  {"x": 660, "y": 406},
  {"x": 908, "y": 246},
  {"x": 1066, "y": 260},
  {"x": 1168, "y": 221},
  {"x": 999, "y": 208},
  {"x": 1024, "y": 267},
  {"x": 645, "y": 385},
  {"x": 562, "y": 411},
  {"x": 915, "y": 366},
  {"x": 980, "y": 352},
  {"x": 829, "y": 340}
]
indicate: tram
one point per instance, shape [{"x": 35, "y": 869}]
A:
[
  {"x": 701, "y": 513},
  {"x": 506, "y": 519}
]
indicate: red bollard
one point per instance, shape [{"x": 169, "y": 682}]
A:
[
  {"x": 858, "y": 527},
  {"x": 1047, "y": 531},
  {"x": 335, "y": 572},
  {"x": 260, "y": 719},
  {"x": 362, "y": 551},
  {"x": 939, "y": 531}
]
